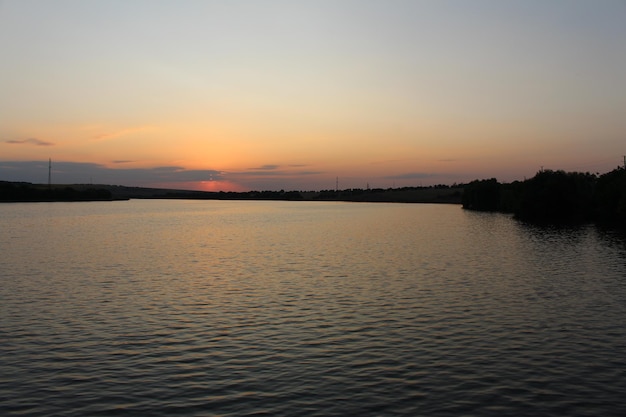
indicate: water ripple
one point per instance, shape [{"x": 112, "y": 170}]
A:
[{"x": 283, "y": 309}]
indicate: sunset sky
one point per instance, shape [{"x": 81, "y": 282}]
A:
[{"x": 270, "y": 95}]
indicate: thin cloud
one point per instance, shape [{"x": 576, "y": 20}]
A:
[
  {"x": 267, "y": 167},
  {"x": 411, "y": 176},
  {"x": 393, "y": 161},
  {"x": 274, "y": 173},
  {"x": 121, "y": 132},
  {"x": 273, "y": 170},
  {"x": 30, "y": 141}
]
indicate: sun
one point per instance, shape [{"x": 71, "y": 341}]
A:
[{"x": 218, "y": 185}]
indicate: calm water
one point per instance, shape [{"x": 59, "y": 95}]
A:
[{"x": 217, "y": 308}]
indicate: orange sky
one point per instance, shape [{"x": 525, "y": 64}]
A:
[{"x": 291, "y": 95}]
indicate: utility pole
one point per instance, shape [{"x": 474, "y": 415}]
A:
[
  {"x": 49, "y": 173},
  {"x": 337, "y": 184}
]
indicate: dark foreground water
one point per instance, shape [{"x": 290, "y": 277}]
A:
[{"x": 216, "y": 308}]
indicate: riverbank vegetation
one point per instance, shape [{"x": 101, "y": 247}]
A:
[
  {"x": 555, "y": 197},
  {"x": 27, "y": 192},
  {"x": 429, "y": 194},
  {"x": 550, "y": 197}
]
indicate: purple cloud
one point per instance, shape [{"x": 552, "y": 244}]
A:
[
  {"x": 412, "y": 175},
  {"x": 267, "y": 167},
  {"x": 30, "y": 141}
]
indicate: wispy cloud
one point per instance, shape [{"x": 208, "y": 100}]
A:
[
  {"x": 393, "y": 161},
  {"x": 268, "y": 167},
  {"x": 30, "y": 141},
  {"x": 270, "y": 170},
  {"x": 121, "y": 132},
  {"x": 411, "y": 176}
]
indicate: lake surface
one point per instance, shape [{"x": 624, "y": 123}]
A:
[{"x": 242, "y": 308}]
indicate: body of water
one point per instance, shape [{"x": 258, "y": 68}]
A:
[{"x": 241, "y": 308}]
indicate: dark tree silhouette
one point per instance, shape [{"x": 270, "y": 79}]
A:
[
  {"x": 557, "y": 197},
  {"x": 610, "y": 198},
  {"x": 483, "y": 195},
  {"x": 14, "y": 192}
]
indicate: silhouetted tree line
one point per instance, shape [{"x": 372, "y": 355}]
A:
[
  {"x": 431, "y": 194},
  {"x": 26, "y": 192},
  {"x": 232, "y": 195},
  {"x": 554, "y": 197}
]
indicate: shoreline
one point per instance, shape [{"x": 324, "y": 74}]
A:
[{"x": 27, "y": 192}]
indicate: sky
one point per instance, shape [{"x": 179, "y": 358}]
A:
[{"x": 309, "y": 95}]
